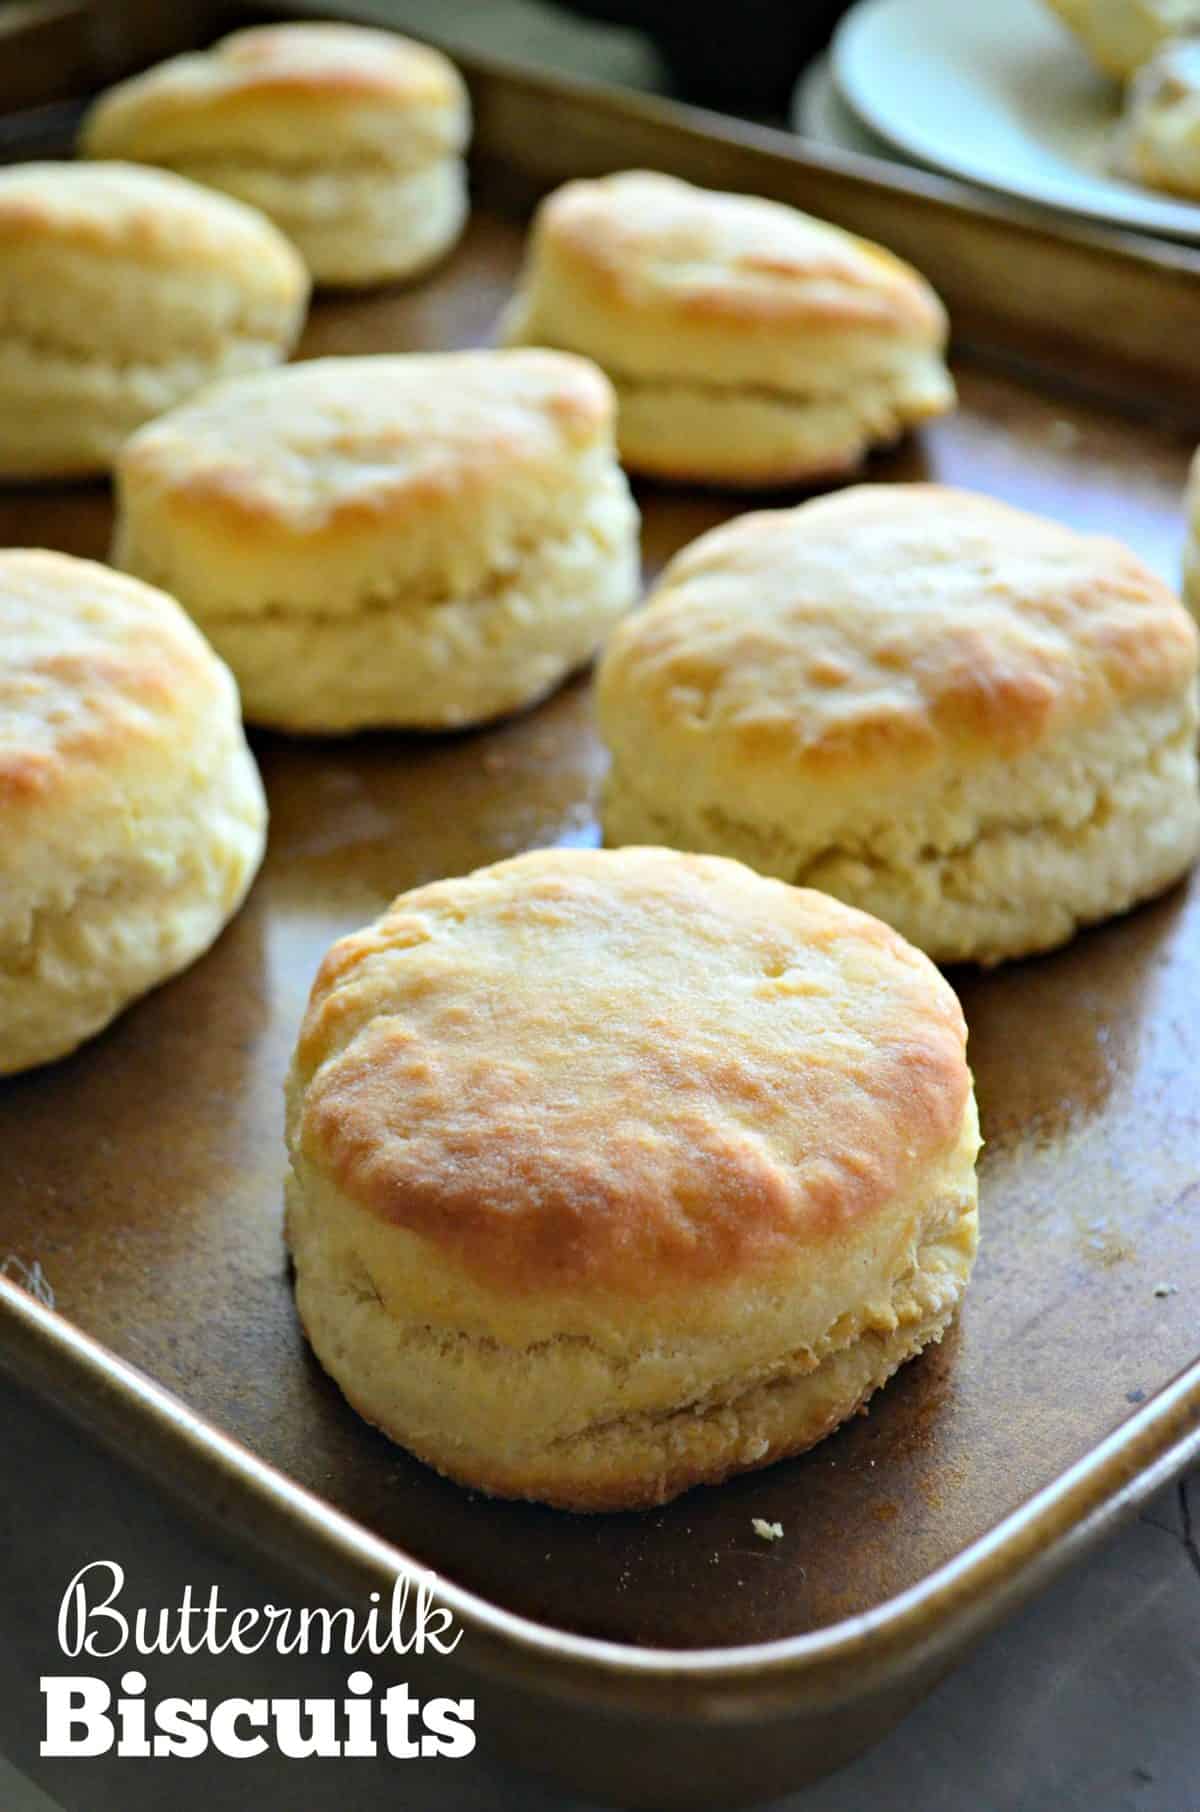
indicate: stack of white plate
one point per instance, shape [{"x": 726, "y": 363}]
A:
[{"x": 999, "y": 94}]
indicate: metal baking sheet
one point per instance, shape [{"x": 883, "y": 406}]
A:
[{"x": 143, "y": 1175}]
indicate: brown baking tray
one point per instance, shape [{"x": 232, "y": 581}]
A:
[{"x": 670, "y": 1658}]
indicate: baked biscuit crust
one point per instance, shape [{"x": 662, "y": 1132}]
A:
[
  {"x": 153, "y": 219},
  {"x": 350, "y": 139},
  {"x": 427, "y": 541},
  {"x": 972, "y": 721},
  {"x": 122, "y": 291},
  {"x": 265, "y": 90},
  {"x": 455, "y": 456},
  {"x": 748, "y": 343},
  {"x": 134, "y": 815},
  {"x": 615, "y": 1172}
]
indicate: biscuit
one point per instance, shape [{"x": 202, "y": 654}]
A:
[
  {"x": 1159, "y": 136},
  {"x": 615, "y": 1173},
  {"x": 351, "y": 140},
  {"x": 123, "y": 291},
  {"x": 1120, "y": 35},
  {"x": 415, "y": 542},
  {"x": 748, "y": 343},
  {"x": 971, "y": 721},
  {"x": 134, "y": 818}
]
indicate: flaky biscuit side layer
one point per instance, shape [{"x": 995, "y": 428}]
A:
[
  {"x": 148, "y": 890},
  {"x": 441, "y": 663},
  {"x": 1009, "y": 859},
  {"x": 720, "y": 434},
  {"x": 371, "y": 222},
  {"x": 392, "y": 656},
  {"x": 586, "y": 1422},
  {"x": 66, "y": 412},
  {"x": 121, "y": 293}
]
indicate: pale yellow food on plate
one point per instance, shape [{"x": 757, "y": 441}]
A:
[
  {"x": 1159, "y": 135},
  {"x": 1120, "y": 35},
  {"x": 352, "y": 140},
  {"x": 418, "y": 542},
  {"x": 749, "y": 343},
  {"x": 615, "y": 1173},
  {"x": 967, "y": 719},
  {"x": 134, "y": 818},
  {"x": 122, "y": 291}
]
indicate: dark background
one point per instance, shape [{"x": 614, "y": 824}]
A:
[{"x": 744, "y": 56}]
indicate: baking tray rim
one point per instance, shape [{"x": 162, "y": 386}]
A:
[{"x": 41, "y": 1349}]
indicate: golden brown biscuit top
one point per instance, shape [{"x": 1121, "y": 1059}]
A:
[
  {"x": 654, "y": 246},
  {"x": 150, "y": 217},
  {"x": 98, "y": 673},
  {"x": 332, "y": 446},
  {"x": 622, "y": 1070},
  {"x": 881, "y": 629},
  {"x": 345, "y": 81}
]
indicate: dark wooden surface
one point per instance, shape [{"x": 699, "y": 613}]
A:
[{"x": 144, "y": 1173}]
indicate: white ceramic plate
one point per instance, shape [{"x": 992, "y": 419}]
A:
[
  {"x": 998, "y": 93},
  {"x": 819, "y": 112}
]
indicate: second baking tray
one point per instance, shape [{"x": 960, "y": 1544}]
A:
[{"x": 144, "y": 1174}]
